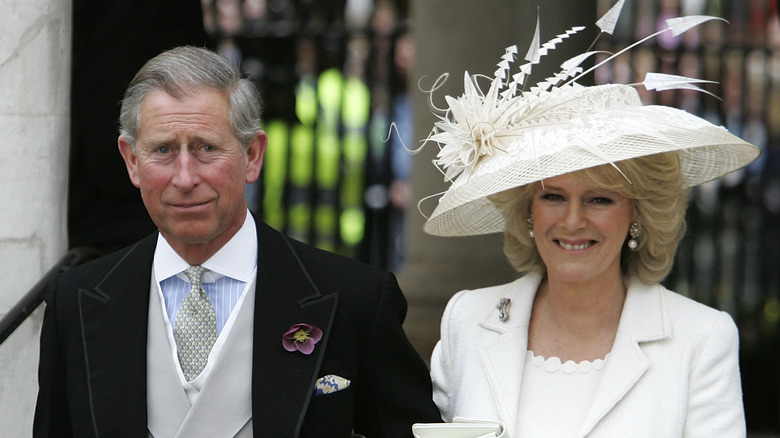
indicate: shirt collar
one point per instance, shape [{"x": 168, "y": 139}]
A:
[{"x": 236, "y": 259}]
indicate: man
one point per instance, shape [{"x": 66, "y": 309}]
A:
[{"x": 218, "y": 326}]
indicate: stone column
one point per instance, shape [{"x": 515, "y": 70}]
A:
[
  {"x": 35, "y": 45},
  {"x": 452, "y": 36}
]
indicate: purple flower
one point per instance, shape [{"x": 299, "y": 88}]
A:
[{"x": 301, "y": 337}]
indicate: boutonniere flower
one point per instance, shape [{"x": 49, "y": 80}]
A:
[{"x": 301, "y": 337}]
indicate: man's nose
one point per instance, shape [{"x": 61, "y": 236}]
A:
[{"x": 186, "y": 171}]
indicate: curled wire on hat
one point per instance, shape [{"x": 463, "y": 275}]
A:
[{"x": 515, "y": 134}]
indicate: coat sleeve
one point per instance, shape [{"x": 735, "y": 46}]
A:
[
  {"x": 715, "y": 394},
  {"x": 397, "y": 386},
  {"x": 442, "y": 372},
  {"x": 52, "y": 416}
]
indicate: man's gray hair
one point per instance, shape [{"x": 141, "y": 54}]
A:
[{"x": 184, "y": 70}]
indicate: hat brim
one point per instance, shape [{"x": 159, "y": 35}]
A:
[{"x": 706, "y": 151}]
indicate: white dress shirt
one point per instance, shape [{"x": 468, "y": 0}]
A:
[{"x": 229, "y": 271}]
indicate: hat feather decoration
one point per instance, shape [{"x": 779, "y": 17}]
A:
[{"x": 509, "y": 136}]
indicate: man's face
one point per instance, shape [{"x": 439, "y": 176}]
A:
[{"x": 191, "y": 170}]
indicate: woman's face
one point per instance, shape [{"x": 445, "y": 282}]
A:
[{"x": 579, "y": 230}]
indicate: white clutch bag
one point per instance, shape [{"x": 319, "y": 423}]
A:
[{"x": 459, "y": 428}]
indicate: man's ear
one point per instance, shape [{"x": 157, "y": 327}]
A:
[
  {"x": 126, "y": 150},
  {"x": 255, "y": 151}
]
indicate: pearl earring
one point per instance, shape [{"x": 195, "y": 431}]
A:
[
  {"x": 530, "y": 222},
  {"x": 633, "y": 231}
]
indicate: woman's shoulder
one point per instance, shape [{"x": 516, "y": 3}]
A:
[
  {"x": 686, "y": 313},
  {"x": 691, "y": 306}
]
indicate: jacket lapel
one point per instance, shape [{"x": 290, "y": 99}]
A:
[
  {"x": 500, "y": 360},
  {"x": 644, "y": 319},
  {"x": 114, "y": 318},
  {"x": 283, "y": 381}
]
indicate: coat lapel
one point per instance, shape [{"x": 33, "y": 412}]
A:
[
  {"x": 114, "y": 316},
  {"x": 283, "y": 381},
  {"x": 500, "y": 360},
  {"x": 644, "y": 319}
]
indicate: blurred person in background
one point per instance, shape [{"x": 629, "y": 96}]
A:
[{"x": 111, "y": 41}]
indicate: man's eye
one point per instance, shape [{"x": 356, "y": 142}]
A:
[
  {"x": 164, "y": 150},
  {"x": 208, "y": 148}
]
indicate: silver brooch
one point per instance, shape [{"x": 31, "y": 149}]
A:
[{"x": 503, "y": 309}]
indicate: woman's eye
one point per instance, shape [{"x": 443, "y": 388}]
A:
[
  {"x": 551, "y": 197},
  {"x": 601, "y": 200}
]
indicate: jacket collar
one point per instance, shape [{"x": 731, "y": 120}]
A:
[
  {"x": 503, "y": 358},
  {"x": 645, "y": 318},
  {"x": 114, "y": 318},
  {"x": 520, "y": 293}
]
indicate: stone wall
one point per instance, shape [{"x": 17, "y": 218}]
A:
[{"x": 34, "y": 96}]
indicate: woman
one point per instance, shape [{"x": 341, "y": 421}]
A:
[{"x": 590, "y": 189}]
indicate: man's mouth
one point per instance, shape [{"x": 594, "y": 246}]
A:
[{"x": 189, "y": 205}]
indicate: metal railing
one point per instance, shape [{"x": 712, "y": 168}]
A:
[{"x": 32, "y": 299}]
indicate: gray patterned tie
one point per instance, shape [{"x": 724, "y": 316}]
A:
[{"x": 195, "y": 329}]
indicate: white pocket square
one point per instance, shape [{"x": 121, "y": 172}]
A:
[{"x": 329, "y": 384}]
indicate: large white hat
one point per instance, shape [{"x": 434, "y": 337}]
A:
[{"x": 502, "y": 139}]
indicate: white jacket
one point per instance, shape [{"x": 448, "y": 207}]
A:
[{"x": 673, "y": 370}]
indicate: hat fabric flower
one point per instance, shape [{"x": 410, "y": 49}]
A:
[{"x": 301, "y": 337}]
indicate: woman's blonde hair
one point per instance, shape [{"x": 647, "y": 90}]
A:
[{"x": 654, "y": 185}]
